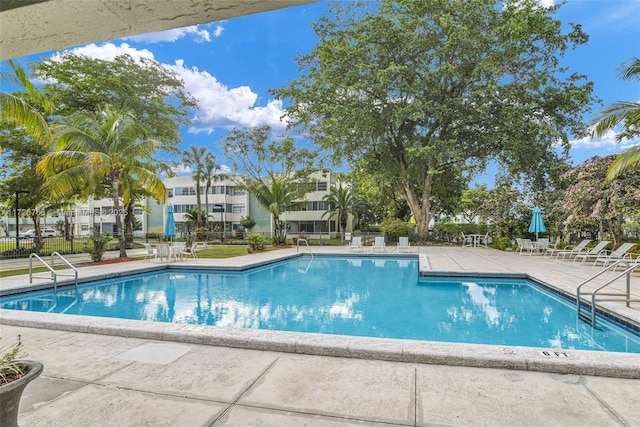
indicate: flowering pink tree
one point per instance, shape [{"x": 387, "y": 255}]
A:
[{"x": 592, "y": 204}]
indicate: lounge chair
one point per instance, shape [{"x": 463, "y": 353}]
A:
[
  {"x": 150, "y": 252},
  {"x": 570, "y": 251},
  {"x": 594, "y": 252},
  {"x": 403, "y": 244},
  {"x": 356, "y": 243},
  {"x": 620, "y": 254},
  {"x": 379, "y": 245}
]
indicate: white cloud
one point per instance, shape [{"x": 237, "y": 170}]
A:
[
  {"x": 200, "y": 35},
  {"x": 220, "y": 106},
  {"x": 607, "y": 141},
  {"x": 108, "y": 51}
]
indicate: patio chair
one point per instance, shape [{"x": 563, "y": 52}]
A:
[
  {"x": 403, "y": 244},
  {"x": 178, "y": 250},
  {"x": 356, "y": 243},
  {"x": 197, "y": 246},
  {"x": 163, "y": 251},
  {"x": 466, "y": 240},
  {"x": 150, "y": 252},
  {"x": 525, "y": 245},
  {"x": 569, "y": 251},
  {"x": 620, "y": 254},
  {"x": 379, "y": 245},
  {"x": 188, "y": 251},
  {"x": 542, "y": 245},
  {"x": 594, "y": 252},
  {"x": 485, "y": 240}
]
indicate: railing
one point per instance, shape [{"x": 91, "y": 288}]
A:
[
  {"x": 590, "y": 317},
  {"x": 54, "y": 275},
  {"x": 75, "y": 270},
  {"x": 306, "y": 243}
]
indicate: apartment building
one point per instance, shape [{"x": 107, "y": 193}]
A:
[{"x": 227, "y": 205}]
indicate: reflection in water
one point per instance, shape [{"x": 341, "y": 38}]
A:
[
  {"x": 480, "y": 296},
  {"x": 365, "y": 296}
]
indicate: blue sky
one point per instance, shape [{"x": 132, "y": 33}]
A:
[{"x": 229, "y": 65}]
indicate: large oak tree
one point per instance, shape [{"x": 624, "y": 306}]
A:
[{"x": 417, "y": 89}]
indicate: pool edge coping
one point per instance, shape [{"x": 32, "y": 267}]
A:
[{"x": 577, "y": 362}]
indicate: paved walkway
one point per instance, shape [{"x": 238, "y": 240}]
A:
[{"x": 174, "y": 379}]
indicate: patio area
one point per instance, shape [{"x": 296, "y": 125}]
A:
[{"x": 114, "y": 372}]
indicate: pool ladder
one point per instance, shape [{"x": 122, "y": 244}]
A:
[
  {"x": 306, "y": 243},
  {"x": 588, "y": 313},
  {"x": 54, "y": 273}
]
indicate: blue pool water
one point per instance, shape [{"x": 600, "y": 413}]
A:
[{"x": 370, "y": 297}]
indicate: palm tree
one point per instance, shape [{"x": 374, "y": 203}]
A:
[
  {"x": 341, "y": 202},
  {"x": 275, "y": 195},
  {"x": 101, "y": 146},
  {"x": 194, "y": 157},
  {"x": 18, "y": 112},
  {"x": 209, "y": 168},
  {"x": 627, "y": 114}
]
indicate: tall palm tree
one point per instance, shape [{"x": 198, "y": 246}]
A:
[
  {"x": 341, "y": 202},
  {"x": 627, "y": 114},
  {"x": 276, "y": 195},
  {"x": 209, "y": 169},
  {"x": 101, "y": 146},
  {"x": 194, "y": 157},
  {"x": 22, "y": 111}
]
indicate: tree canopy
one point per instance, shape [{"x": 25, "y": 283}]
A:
[
  {"x": 152, "y": 92},
  {"x": 416, "y": 90}
]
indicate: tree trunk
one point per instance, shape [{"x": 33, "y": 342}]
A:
[
  {"x": 422, "y": 212},
  {"x": 115, "y": 191}
]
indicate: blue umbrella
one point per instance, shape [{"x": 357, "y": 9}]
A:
[
  {"x": 537, "y": 224},
  {"x": 170, "y": 224}
]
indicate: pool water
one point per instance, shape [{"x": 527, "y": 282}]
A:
[{"x": 363, "y": 296}]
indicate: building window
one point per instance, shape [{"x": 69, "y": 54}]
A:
[
  {"x": 237, "y": 209},
  {"x": 137, "y": 211},
  {"x": 321, "y": 186},
  {"x": 84, "y": 227}
]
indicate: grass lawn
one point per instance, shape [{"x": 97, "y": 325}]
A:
[{"x": 222, "y": 251}]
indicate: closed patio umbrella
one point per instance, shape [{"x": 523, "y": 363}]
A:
[
  {"x": 170, "y": 224},
  {"x": 537, "y": 224}
]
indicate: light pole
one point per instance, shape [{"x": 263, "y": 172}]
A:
[{"x": 18, "y": 192}]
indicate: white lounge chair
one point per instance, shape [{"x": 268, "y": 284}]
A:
[
  {"x": 622, "y": 253},
  {"x": 403, "y": 244},
  {"x": 150, "y": 252},
  {"x": 356, "y": 243},
  {"x": 379, "y": 245},
  {"x": 594, "y": 252},
  {"x": 570, "y": 251},
  {"x": 178, "y": 250}
]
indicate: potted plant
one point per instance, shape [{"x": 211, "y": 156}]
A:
[{"x": 15, "y": 375}]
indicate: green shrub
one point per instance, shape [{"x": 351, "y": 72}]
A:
[
  {"x": 395, "y": 228},
  {"x": 502, "y": 243},
  {"x": 256, "y": 242},
  {"x": 98, "y": 246}
]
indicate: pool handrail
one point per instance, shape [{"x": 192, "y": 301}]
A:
[{"x": 591, "y": 318}]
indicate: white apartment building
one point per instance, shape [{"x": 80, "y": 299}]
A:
[{"x": 227, "y": 205}]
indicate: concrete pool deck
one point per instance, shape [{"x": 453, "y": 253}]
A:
[{"x": 175, "y": 375}]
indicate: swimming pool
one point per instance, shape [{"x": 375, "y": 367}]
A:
[{"x": 359, "y": 296}]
